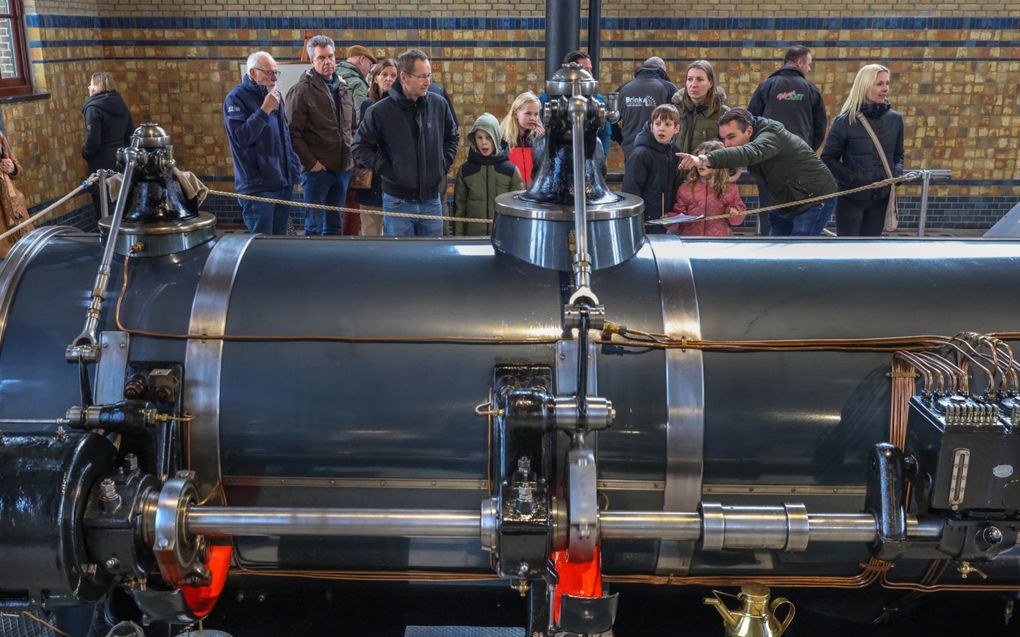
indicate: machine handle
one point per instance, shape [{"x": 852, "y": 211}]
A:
[{"x": 776, "y": 603}]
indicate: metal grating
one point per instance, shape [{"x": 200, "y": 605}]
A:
[
  {"x": 12, "y": 625},
  {"x": 463, "y": 631}
]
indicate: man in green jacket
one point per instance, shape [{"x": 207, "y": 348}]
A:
[
  {"x": 789, "y": 167},
  {"x": 354, "y": 70}
]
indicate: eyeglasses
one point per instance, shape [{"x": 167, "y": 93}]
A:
[
  {"x": 272, "y": 74},
  {"x": 425, "y": 76}
]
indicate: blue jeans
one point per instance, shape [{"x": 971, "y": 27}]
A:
[
  {"x": 809, "y": 223},
  {"x": 267, "y": 218},
  {"x": 329, "y": 188},
  {"x": 404, "y": 227}
]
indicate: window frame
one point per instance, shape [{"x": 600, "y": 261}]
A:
[{"x": 22, "y": 83}]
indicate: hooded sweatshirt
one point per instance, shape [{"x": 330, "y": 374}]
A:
[
  {"x": 108, "y": 126},
  {"x": 482, "y": 178}
]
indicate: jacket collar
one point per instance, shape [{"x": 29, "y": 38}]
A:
[{"x": 788, "y": 70}]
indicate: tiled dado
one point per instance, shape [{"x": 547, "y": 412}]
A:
[{"x": 956, "y": 80}]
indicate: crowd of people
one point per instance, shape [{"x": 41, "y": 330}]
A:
[{"x": 380, "y": 134}]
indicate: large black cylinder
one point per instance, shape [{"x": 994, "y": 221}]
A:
[{"x": 295, "y": 419}]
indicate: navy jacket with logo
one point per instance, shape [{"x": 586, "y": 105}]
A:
[
  {"x": 264, "y": 158},
  {"x": 790, "y": 99},
  {"x": 638, "y": 98}
]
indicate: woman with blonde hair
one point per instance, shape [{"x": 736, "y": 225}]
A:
[
  {"x": 853, "y": 158},
  {"x": 520, "y": 128}
]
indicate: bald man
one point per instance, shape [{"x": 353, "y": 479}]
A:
[{"x": 265, "y": 164}]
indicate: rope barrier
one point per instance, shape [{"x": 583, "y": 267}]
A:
[
  {"x": 359, "y": 211},
  {"x": 49, "y": 210},
  {"x": 757, "y": 211},
  {"x": 910, "y": 176}
]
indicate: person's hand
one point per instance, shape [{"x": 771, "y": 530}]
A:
[
  {"x": 731, "y": 211},
  {"x": 690, "y": 161},
  {"x": 318, "y": 167},
  {"x": 7, "y": 165},
  {"x": 538, "y": 130},
  {"x": 272, "y": 101}
]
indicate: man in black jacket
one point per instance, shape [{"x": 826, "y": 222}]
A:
[
  {"x": 409, "y": 138},
  {"x": 789, "y": 98},
  {"x": 639, "y": 97}
]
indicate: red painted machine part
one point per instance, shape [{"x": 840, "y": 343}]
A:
[
  {"x": 580, "y": 579},
  {"x": 201, "y": 599}
]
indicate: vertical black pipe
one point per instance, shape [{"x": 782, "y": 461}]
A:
[
  {"x": 595, "y": 35},
  {"x": 562, "y": 32}
]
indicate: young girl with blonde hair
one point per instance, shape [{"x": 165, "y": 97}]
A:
[{"x": 521, "y": 126}]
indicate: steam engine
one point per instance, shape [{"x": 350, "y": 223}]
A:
[{"x": 567, "y": 406}]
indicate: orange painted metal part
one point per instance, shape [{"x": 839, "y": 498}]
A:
[
  {"x": 579, "y": 579},
  {"x": 201, "y": 599}
]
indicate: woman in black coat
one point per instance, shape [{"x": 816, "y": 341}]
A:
[
  {"x": 108, "y": 127},
  {"x": 852, "y": 158}
]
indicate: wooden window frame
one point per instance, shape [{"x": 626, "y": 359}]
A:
[{"x": 22, "y": 83}]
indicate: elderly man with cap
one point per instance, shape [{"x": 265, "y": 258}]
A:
[{"x": 354, "y": 70}]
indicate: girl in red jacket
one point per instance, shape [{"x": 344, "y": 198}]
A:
[
  {"x": 521, "y": 126},
  {"x": 708, "y": 192}
]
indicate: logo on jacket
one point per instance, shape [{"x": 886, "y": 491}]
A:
[
  {"x": 232, "y": 108},
  {"x": 790, "y": 96},
  {"x": 641, "y": 102}
]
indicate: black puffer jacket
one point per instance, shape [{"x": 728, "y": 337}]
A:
[
  {"x": 411, "y": 145},
  {"x": 108, "y": 127},
  {"x": 850, "y": 154}
]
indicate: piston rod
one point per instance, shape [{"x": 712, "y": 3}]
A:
[
  {"x": 786, "y": 528},
  {"x": 332, "y": 522}
]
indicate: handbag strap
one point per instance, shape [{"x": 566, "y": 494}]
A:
[{"x": 878, "y": 145}]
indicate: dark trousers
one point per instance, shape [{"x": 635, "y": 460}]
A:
[
  {"x": 762, "y": 220},
  {"x": 855, "y": 218}
]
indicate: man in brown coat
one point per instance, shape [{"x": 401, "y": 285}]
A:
[{"x": 320, "y": 111}]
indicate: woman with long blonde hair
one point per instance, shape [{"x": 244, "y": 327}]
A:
[
  {"x": 852, "y": 157},
  {"x": 520, "y": 128}
]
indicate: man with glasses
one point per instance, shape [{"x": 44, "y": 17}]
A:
[
  {"x": 410, "y": 140},
  {"x": 320, "y": 109},
  {"x": 265, "y": 164}
]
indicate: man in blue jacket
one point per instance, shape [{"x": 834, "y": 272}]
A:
[
  {"x": 265, "y": 164},
  {"x": 409, "y": 138}
]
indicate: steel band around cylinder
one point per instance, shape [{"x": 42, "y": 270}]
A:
[
  {"x": 204, "y": 358},
  {"x": 685, "y": 399},
  {"x": 16, "y": 263},
  {"x": 798, "y": 527}
]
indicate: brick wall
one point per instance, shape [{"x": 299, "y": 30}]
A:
[{"x": 956, "y": 69}]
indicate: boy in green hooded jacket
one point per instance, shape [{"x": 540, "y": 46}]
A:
[{"x": 488, "y": 172}]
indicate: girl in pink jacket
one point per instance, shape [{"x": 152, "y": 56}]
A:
[{"x": 705, "y": 193}]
